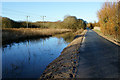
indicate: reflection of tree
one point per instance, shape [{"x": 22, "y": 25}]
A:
[
  {"x": 32, "y": 40},
  {"x": 68, "y": 37}
]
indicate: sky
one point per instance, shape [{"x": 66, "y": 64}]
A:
[{"x": 53, "y": 11}]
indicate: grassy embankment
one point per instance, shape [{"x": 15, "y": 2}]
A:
[
  {"x": 16, "y": 34},
  {"x": 108, "y": 37},
  {"x": 65, "y": 66}
]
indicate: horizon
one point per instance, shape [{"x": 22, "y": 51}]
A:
[
  {"x": 54, "y": 11},
  {"x": 59, "y": 39}
]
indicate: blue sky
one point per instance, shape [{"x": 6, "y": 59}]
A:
[{"x": 52, "y": 10}]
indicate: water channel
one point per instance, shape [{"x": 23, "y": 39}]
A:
[{"x": 28, "y": 59}]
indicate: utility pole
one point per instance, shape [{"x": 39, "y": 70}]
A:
[
  {"x": 43, "y": 17},
  {"x": 27, "y": 21}
]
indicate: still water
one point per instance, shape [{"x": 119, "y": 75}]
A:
[{"x": 29, "y": 59}]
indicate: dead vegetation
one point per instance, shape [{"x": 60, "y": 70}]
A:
[
  {"x": 16, "y": 34},
  {"x": 109, "y": 19}
]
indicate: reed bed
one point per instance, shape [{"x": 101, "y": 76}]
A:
[{"x": 15, "y": 34}]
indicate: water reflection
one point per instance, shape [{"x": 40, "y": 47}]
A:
[
  {"x": 28, "y": 59},
  {"x": 68, "y": 37}
]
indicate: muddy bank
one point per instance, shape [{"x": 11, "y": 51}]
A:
[
  {"x": 65, "y": 65},
  {"x": 10, "y": 35}
]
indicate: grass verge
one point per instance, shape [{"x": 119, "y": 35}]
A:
[{"x": 108, "y": 37}]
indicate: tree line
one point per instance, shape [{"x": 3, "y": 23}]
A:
[
  {"x": 69, "y": 22},
  {"x": 109, "y": 19}
]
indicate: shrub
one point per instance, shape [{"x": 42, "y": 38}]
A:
[
  {"x": 109, "y": 19},
  {"x": 73, "y": 23},
  {"x": 90, "y": 25}
]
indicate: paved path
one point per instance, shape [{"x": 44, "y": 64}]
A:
[{"x": 98, "y": 57}]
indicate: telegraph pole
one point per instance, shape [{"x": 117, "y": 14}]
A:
[
  {"x": 27, "y": 21},
  {"x": 43, "y": 17}
]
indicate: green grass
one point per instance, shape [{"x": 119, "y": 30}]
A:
[
  {"x": 97, "y": 30},
  {"x": 110, "y": 37}
]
